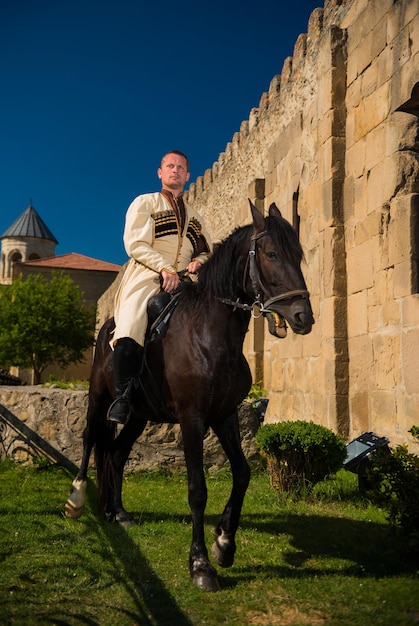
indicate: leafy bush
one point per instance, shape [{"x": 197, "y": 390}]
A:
[
  {"x": 300, "y": 454},
  {"x": 256, "y": 392},
  {"x": 393, "y": 477}
]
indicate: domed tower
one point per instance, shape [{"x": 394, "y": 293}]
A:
[{"x": 28, "y": 238}]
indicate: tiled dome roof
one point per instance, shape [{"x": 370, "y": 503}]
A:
[{"x": 29, "y": 224}]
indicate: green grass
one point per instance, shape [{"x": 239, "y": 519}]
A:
[{"x": 328, "y": 560}]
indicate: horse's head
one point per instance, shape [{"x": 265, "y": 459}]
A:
[{"x": 275, "y": 274}]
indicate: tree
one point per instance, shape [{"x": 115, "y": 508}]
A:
[{"x": 44, "y": 322}]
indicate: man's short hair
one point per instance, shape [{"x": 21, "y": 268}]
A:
[{"x": 179, "y": 153}]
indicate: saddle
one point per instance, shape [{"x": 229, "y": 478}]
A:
[{"x": 159, "y": 311}]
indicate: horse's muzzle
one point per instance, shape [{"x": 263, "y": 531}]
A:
[{"x": 297, "y": 312}]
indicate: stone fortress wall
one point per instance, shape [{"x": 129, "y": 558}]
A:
[{"x": 331, "y": 147}]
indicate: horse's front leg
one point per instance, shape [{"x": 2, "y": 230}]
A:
[
  {"x": 224, "y": 547},
  {"x": 203, "y": 574}
]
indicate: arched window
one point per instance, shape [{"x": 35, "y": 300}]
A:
[{"x": 15, "y": 257}]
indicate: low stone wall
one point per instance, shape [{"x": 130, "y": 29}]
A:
[{"x": 58, "y": 416}]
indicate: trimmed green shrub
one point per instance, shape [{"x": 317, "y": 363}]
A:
[
  {"x": 300, "y": 454},
  {"x": 393, "y": 479}
]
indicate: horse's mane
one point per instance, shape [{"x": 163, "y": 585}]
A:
[{"x": 218, "y": 277}]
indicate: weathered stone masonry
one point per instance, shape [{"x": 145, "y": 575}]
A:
[
  {"x": 58, "y": 417},
  {"x": 331, "y": 147}
]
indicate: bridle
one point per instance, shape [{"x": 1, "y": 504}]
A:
[{"x": 259, "y": 307}]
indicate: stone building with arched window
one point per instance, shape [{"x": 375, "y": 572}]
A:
[{"x": 27, "y": 239}]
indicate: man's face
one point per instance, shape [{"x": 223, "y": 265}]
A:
[{"x": 173, "y": 172}]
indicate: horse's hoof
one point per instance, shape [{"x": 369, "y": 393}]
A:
[
  {"x": 74, "y": 507},
  {"x": 206, "y": 582},
  {"x": 222, "y": 558},
  {"x": 124, "y": 519},
  {"x": 71, "y": 511}
]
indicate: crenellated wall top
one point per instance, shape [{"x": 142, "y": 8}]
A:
[{"x": 280, "y": 85}]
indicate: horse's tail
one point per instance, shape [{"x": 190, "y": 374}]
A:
[
  {"x": 104, "y": 431},
  {"x": 103, "y": 463}
]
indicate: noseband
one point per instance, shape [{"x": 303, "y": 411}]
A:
[{"x": 259, "y": 307}]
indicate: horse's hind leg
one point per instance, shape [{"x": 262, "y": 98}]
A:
[
  {"x": 74, "y": 507},
  {"x": 224, "y": 547}
]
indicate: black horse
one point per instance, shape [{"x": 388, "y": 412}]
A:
[{"x": 202, "y": 376}]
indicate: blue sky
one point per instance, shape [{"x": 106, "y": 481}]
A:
[{"x": 93, "y": 93}]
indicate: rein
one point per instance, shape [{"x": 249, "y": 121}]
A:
[{"x": 259, "y": 307}]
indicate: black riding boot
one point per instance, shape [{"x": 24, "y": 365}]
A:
[{"x": 125, "y": 362}]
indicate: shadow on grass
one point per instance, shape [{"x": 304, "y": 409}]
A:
[
  {"x": 364, "y": 548},
  {"x": 153, "y": 602}
]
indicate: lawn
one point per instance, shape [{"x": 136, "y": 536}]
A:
[{"x": 330, "y": 559}]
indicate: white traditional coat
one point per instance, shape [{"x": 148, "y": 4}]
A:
[{"x": 153, "y": 240}]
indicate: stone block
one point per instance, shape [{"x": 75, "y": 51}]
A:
[
  {"x": 383, "y": 410},
  {"x": 374, "y": 14},
  {"x": 364, "y": 53},
  {"x": 410, "y": 311},
  {"x": 369, "y": 80},
  {"x": 372, "y": 111},
  {"x": 357, "y": 314},
  {"x": 271, "y": 182},
  {"x": 391, "y": 314},
  {"x": 387, "y": 374},
  {"x": 409, "y": 360},
  {"x": 360, "y": 267},
  {"x": 355, "y": 158},
  {"x": 403, "y": 279},
  {"x": 332, "y": 248},
  {"x": 384, "y": 66},
  {"x": 352, "y": 61},
  {"x": 348, "y": 198},
  {"x": 379, "y": 37},
  {"x": 325, "y": 127},
  {"x": 383, "y": 287},
  {"x": 367, "y": 228},
  {"x": 382, "y": 181},
  {"x": 375, "y": 146},
  {"x": 360, "y": 197},
  {"x": 359, "y": 409},
  {"x": 330, "y": 308},
  {"x": 361, "y": 362},
  {"x": 401, "y": 48},
  {"x": 399, "y": 232}
]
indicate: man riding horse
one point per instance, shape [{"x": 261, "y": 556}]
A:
[
  {"x": 197, "y": 364},
  {"x": 162, "y": 237}
]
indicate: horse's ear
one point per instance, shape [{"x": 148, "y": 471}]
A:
[
  {"x": 274, "y": 211},
  {"x": 258, "y": 219}
]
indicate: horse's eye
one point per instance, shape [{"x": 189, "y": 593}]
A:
[{"x": 272, "y": 255}]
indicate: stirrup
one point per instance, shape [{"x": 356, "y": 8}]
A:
[{"x": 118, "y": 411}]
